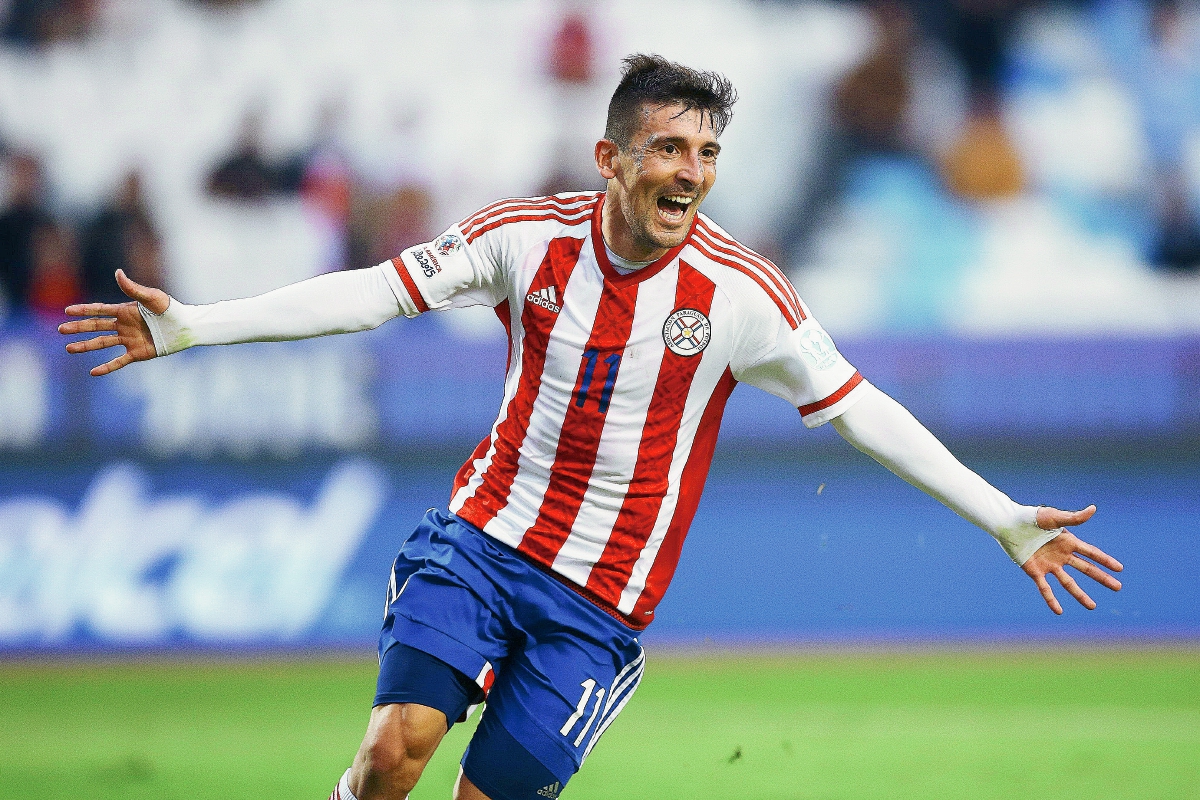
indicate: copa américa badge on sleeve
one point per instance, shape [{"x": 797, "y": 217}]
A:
[
  {"x": 687, "y": 332},
  {"x": 447, "y": 244}
]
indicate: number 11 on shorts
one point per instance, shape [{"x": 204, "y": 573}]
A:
[{"x": 588, "y": 687}]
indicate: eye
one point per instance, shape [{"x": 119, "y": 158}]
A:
[
  {"x": 670, "y": 150},
  {"x": 708, "y": 154}
]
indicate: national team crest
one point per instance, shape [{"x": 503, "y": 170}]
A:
[
  {"x": 686, "y": 332},
  {"x": 447, "y": 244}
]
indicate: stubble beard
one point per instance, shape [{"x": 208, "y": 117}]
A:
[{"x": 641, "y": 228}]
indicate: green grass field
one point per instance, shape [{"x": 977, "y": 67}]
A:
[{"x": 933, "y": 724}]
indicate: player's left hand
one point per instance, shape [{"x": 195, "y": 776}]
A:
[{"x": 1065, "y": 550}]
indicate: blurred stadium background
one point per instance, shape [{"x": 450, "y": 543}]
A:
[{"x": 993, "y": 205}]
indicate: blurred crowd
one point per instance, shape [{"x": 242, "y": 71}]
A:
[
  {"x": 934, "y": 87},
  {"x": 924, "y": 46},
  {"x": 47, "y": 263}
]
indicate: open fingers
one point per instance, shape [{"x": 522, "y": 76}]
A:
[
  {"x": 1098, "y": 555},
  {"x": 1047, "y": 593},
  {"x": 1094, "y": 572},
  {"x": 91, "y": 310},
  {"x": 112, "y": 366},
  {"x": 90, "y": 325},
  {"x": 97, "y": 343},
  {"x": 1074, "y": 589}
]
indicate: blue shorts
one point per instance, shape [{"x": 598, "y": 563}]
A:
[{"x": 555, "y": 668}]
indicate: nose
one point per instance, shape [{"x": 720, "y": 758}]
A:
[{"x": 691, "y": 170}]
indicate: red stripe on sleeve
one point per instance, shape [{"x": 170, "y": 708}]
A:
[
  {"x": 847, "y": 387},
  {"x": 660, "y": 433},
  {"x": 555, "y": 270},
  {"x": 503, "y": 206},
  {"x": 558, "y": 216},
  {"x": 782, "y": 287},
  {"x": 779, "y": 278},
  {"x": 707, "y": 252},
  {"x": 691, "y": 486},
  {"x": 584, "y": 423},
  {"x": 542, "y": 204},
  {"x": 410, "y": 285}
]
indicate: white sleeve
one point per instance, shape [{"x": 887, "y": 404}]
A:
[
  {"x": 452, "y": 271},
  {"x": 883, "y": 429},
  {"x": 799, "y": 364},
  {"x": 338, "y": 302}
]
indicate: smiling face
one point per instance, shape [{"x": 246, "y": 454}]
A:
[{"x": 656, "y": 185}]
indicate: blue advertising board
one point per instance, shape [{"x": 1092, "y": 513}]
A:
[{"x": 123, "y": 554}]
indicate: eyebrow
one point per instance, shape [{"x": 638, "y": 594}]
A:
[{"x": 658, "y": 139}]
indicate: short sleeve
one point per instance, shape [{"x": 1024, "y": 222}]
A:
[
  {"x": 448, "y": 273},
  {"x": 802, "y": 366}
]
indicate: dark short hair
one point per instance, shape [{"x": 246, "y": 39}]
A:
[{"x": 653, "y": 80}]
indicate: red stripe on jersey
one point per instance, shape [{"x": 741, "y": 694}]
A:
[
  {"x": 849, "y": 385},
  {"x": 561, "y": 257},
  {"x": 409, "y": 285},
  {"x": 784, "y": 307},
  {"x": 648, "y": 487},
  {"x": 468, "y": 468},
  {"x": 782, "y": 286},
  {"x": 557, "y": 216},
  {"x": 504, "y": 312},
  {"x": 691, "y": 486},
  {"x": 779, "y": 278},
  {"x": 495, "y": 208},
  {"x": 584, "y": 423}
]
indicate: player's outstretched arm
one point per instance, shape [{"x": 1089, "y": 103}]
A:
[
  {"x": 1034, "y": 537},
  {"x": 121, "y": 323},
  {"x": 155, "y": 324}
]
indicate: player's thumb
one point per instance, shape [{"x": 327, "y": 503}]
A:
[
  {"x": 154, "y": 299},
  {"x": 1050, "y": 518}
]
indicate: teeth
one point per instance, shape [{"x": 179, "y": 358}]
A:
[{"x": 675, "y": 198}]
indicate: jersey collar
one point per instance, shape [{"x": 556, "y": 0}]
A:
[{"x": 637, "y": 276}]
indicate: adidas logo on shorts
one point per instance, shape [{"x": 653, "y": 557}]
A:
[
  {"x": 545, "y": 298},
  {"x": 550, "y": 791}
]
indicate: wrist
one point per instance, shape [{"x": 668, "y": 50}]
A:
[
  {"x": 1020, "y": 536},
  {"x": 169, "y": 330}
]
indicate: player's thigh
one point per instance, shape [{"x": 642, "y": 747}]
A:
[
  {"x": 548, "y": 708},
  {"x": 400, "y": 740}
]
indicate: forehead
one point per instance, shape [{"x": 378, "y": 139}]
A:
[{"x": 672, "y": 121}]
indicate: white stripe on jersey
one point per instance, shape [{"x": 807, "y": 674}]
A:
[
  {"x": 550, "y": 407},
  {"x": 618, "y": 450}
]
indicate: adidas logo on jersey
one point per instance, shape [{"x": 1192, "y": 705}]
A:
[
  {"x": 545, "y": 298},
  {"x": 550, "y": 791}
]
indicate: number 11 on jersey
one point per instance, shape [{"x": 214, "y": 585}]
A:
[{"x": 591, "y": 356}]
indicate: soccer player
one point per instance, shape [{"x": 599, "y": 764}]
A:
[{"x": 631, "y": 317}]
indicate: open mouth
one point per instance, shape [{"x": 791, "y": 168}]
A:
[{"x": 674, "y": 207}]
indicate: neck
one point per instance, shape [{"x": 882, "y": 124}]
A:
[{"x": 618, "y": 234}]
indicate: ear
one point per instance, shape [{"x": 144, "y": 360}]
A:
[{"x": 606, "y": 159}]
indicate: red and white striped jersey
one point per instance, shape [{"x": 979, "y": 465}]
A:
[{"x": 616, "y": 383}]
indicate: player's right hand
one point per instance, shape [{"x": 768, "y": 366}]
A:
[{"x": 125, "y": 321}]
